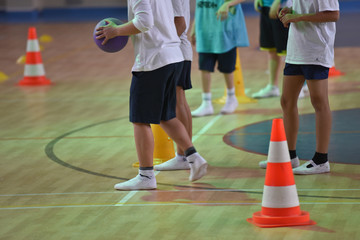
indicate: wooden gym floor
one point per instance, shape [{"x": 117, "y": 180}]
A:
[{"x": 64, "y": 146}]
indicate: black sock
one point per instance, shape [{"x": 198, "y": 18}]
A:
[
  {"x": 146, "y": 168},
  {"x": 190, "y": 151},
  {"x": 292, "y": 154},
  {"x": 320, "y": 158}
]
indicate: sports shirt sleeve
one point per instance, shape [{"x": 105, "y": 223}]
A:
[
  {"x": 178, "y": 8},
  {"x": 328, "y": 5},
  {"x": 143, "y": 18}
]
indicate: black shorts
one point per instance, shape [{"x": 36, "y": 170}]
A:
[
  {"x": 273, "y": 34},
  {"x": 184, "y": 80},
  {"x": 310, "y": 72},
  {"x": 153, "y": 94},
  {"x": 226, "y": 61}
]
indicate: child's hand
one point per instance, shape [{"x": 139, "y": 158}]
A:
[
  {"x": 193, "y": 39},
  {"x": 223, "y": 12},
  {"x": 288, "y": 18},
  {"x": 257, "y": 5},
  {"x": 108, "y": 32},
  {"x": 284, "y": 11}
]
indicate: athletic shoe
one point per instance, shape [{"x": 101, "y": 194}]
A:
[
  {"x": 198, "y": 166},
  {"x": 311, "y": 168},
  {"x": 177, "y": 163},
  {"x": 268, "y": 91},
  {"x": 230, "y": 105},
  {"x": 140, "y": 182},
  {"x": 294, "y": 163},
  {"x": 204, "y": 110},
  {"x": 304, "y": 91}
]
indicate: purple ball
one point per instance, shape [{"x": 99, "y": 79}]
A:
[{"x": 114, "y": 44}]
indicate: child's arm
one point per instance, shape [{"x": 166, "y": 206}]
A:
[
  {"x": 274, "y": 9},
  {"x": 180, "y": 25},
  {"x": 179, "y": 18},
  {"x": 325, "y": 16},
  {"x": 258, "y": 4},
  {"x": 223, "y": 11},
  {"x": 143, "y": 21}
]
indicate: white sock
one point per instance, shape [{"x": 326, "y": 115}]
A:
[
  {"x": 206, "y": 98},
  {"x": 147, "y": 173}
]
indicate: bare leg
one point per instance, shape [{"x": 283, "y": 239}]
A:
[
  {"x": 320, "y": 101},
  {"x": 183, "y": 113},
  {"x": 144, "y": 141},
  {"x": 206, "y": 81},
  {"x": 229, "y": 80},
  {"x": 176, "y": 131},
  {"x": 291, "y": 89},
  {"x": 275, "y": 68}
]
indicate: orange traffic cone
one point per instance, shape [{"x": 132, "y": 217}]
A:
[
  {"x": 333, "y": 72},
  {"x": 163, "y": 146},
  {"x": 34, "y": 73},
  {"x": 238, "y": 85},
  {"x": 280, "y": 203}
]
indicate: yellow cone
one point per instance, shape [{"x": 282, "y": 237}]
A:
[
  {"x": 3, "y": 77},
  {"x": 21, "y": 60},
  {"x": 163, "y": 146},
  {"x": 238, "y": 84},
  {"x": 45, "y": 38}
]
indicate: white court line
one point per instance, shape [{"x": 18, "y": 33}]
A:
[
  {"x": 194, "y": 138},
  {"x": 189, "y": 190},
  {"x": 166, "y": 204}
]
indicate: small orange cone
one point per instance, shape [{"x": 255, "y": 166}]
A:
[
  {"x": 333, "y": 72},
  {"x": 280, "y": 203},
  {"x": 34, "y": 73},
  {"x": 163, "y": 146}
]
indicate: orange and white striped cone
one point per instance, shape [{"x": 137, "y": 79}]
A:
[
  {"x": 163, "y": 146},
  {"x": 280, "y": 203},
  {"x": 34, "y": 73}
]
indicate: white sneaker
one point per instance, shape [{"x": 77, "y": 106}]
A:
[
  {"x": 268, "y": 91},
  {"x": 177, "y": 163},
  {"x": 304, "y": 91},
  {"x": 230, "y": 105},
  {"x": 311, "y": 168},
  {"x": 294, "y": 163},
  {"x": 198, "y": 166},
  {"x": 204, "y": 110},
  {"x": 140, "y": 182}
]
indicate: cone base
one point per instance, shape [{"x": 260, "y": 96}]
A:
[
  {"x": 155, "y": 162},
  {"x": 26, "y": 81},
  {"x": 333, "y": 72},
  {"x": 270, "y": 222},
  {"x": 241, "y": 99}
]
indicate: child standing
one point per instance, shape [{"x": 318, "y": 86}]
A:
[
  {"x": 310, "y": 54},
  {"x": 219, "y": 29},
  {"x": 158, "y": 61},
  {"x": 182, "y": 23},
  {"x": 273, "y": 39}
]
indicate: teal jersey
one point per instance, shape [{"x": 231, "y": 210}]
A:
[
  {"x": 267, "y": 3},
  {"x": 216, "y": 36}
]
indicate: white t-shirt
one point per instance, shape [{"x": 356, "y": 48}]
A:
[
  {"x": 309, "y": 42},
  {"x": 158, "y": 44},
  {"x": 182, "y": 9}
]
